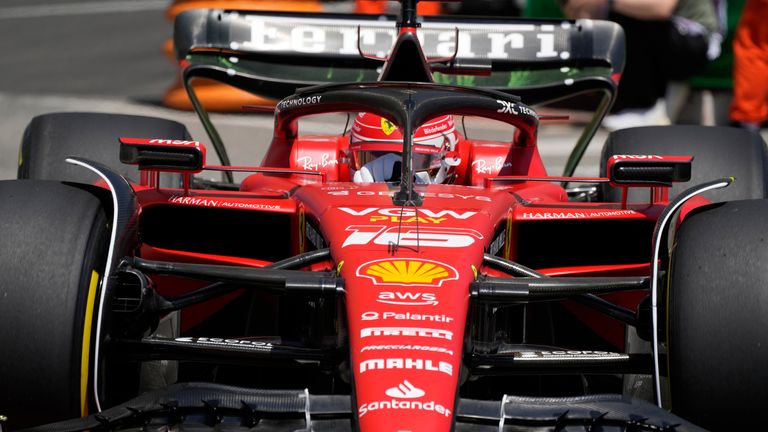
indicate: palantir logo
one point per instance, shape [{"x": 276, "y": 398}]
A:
[{"x": 405, "y": 390}]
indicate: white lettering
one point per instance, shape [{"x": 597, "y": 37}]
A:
[
  {"x": 406, "y": 363},
  {"x": 308, "y": 164},
  {"x": 406, "y": 331},
  {"x": 395, "y": 404},
  {"x": 173, "y": 142},
  {"x": 409, "y": 212},
  {"x": 410, "y": 236},
  {"x": 638, "y": 157},
  {"x": 547, "y": 46},
  {"x": 297, "y": 102},
  {"x": 407, "y": 298},
  {"x": 407, "y": 348},
  {"x": 483, "y": 167},
  {"x": 307, "y": 39},
  {"x": 405, "y": 316},
  {"x": 207, "y": 202},
  {"x": 578, "y": 215},
  {"x": 506, "y": 107},
  {"x": 500, "y": 41}
]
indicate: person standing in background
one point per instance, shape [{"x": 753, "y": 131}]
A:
[
  {"x": 667, "y": 40},
  {"x": 749, "y": 108}
]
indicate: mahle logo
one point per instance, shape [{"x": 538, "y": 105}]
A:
[{"x": 407, "y": 272}]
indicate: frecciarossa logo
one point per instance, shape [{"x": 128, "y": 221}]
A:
[{"x": 407, "y": 272}]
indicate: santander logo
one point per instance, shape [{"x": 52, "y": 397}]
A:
[{"x": 405, "y": 390}]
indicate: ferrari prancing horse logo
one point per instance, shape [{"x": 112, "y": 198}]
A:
[{"x": 387, "y": 127}]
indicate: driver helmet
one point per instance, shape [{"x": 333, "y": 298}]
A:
[{"x": 375, "y": 139}]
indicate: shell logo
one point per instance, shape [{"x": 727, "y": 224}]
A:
[
  {"x": 407, "y": 272},
  {"x": 387, "y": 127}
]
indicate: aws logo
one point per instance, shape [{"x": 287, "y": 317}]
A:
[{"x": 407, "y": 272}]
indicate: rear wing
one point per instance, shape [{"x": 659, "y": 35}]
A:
[
  {"x": 274, "y": 54},
  {"x": 284, "y": 51}
]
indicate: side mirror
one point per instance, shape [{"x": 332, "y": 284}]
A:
[
  {"x": 163, "y": 154},
  {"x": 648, "y": 170}
]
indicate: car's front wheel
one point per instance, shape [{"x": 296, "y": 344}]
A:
[
  {"x": 53, "y": 245},
  {"x": 718, "y": 316}
]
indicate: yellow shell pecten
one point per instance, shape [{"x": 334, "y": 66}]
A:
[{"x": 406, "y": 271}]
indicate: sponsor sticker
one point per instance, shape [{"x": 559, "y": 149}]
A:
[
  {"x": 637, "y": 157},
  {"x": 405, "y": 390},
  {"x": 407, "y": 215},
  {"x": 347, "y": 37},
  {"x": 426, "y": 194},
  {"x": 513, "y": 108},
  {"x": 395, "y": 404},
  {"x": 406, "y": 347},
  {"x": 210, "y": 202},
  {"x": 411, "y": 236},
  {"x": 174, "y": 142},
  {"x": 407, "y": 298},
  {"x": 299, "y": 101},
  {"x": 406, "y": 363},
  {"x": 483, "y": 166},
  {"x": 570, "y": 354},
  {"x": 406, "y": 331},
  {"x": 406, "y": 316},
  {"x": 408, "y": 271},
  {"x": 240, "y": 343},
  {"x": 577, "y": 214},
  {"x": 307, "y": 163}
]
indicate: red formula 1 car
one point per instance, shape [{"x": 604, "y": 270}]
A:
[{"x": 399, "y": 273}]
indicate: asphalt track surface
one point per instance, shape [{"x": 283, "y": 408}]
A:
[{"x": 106, "y": 56}]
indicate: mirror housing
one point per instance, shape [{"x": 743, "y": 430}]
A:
[
  {"x": 648, "y": 170},
  {"x": 163, "y": 154}
]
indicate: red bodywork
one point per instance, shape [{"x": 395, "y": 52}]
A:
[{"x": 406, "y": 269}]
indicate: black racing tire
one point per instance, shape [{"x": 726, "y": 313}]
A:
[
  {"x": 50, "y": 138},
  {"x": 718, "y": 152},
  {"x": 718, "y": 316},
  {"x": 53, "y": 251}
]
